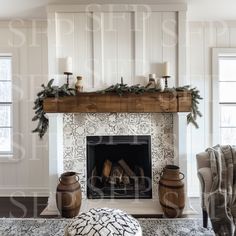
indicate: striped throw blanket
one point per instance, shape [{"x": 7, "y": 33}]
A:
[{"x": 222, "y": 198}]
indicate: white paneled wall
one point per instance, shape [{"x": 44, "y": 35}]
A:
[
  {"x": 160, "y": 38},
  {"x": 29, "y": 174},
  {"x": 104, "y": 46},
  {"x": 75, "y": 39},
  {"x": 202, "y": 37},
  {"x": 107, "y": 45}
]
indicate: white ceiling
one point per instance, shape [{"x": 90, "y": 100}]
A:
[{"x": 197, "y": 9}]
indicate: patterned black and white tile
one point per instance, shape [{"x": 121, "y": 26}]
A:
[
  {"x": 77, "y": 126},
  {"x": 57, "y": 227}
]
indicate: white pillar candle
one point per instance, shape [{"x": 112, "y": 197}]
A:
[
  {"x": 166, "y": 69},
  {"x": 68, "y": 65},
  {"x": 65, "y": 65}
]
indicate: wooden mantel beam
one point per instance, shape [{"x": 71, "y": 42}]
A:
[{"x": 111, "y": 102}]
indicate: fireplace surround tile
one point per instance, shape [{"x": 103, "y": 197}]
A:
[{"x": 78, "y": 126}]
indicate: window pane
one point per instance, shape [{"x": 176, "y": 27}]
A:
[
  {"x": 227, "y": 91},
  {"x": 5, "y": 140},
  {"x": 5, "y": 115},
  {"x": 228, "y": 136},
  {"x": 227, "y": 69},
  {"x": 5, "y": 68},
  {"x": 5, "y": 92},
  {"x": 228, "y": 115}
]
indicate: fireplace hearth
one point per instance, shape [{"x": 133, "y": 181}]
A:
[{"x": 119, "y": 167}]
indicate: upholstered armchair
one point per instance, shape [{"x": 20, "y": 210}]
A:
[{"x": 205, "y": 177}]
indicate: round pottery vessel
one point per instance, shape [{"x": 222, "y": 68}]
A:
[
  {"x": 171, "y": 191},
  {"x": 68, "y": 196}
]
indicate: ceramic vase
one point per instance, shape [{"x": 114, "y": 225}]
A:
[
  {"x": 79, "y": 84},
  {"x": 160, "y": 84},
  {"x": 171, "y": 191},
  {"x": 68, "y": 195}
]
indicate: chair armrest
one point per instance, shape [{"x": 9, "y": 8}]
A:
[
  {"x": 203, "y": 160},
  {"x": 205, "y": 178}
]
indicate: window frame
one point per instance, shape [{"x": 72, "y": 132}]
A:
[
  {"x": 215, "y": 116},
  {"x": 14, "y": 155},
  {"x": 10, "y": 104}
]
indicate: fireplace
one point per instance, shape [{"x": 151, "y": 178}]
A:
[
  {"x": 68, "y": 134},
  {"x": 119, "y": 167}
]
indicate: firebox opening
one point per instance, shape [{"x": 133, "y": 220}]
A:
[{"x": 119, "y": 167}]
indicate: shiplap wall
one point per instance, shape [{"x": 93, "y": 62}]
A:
[
  {"x": 129, "y": 44},
  {"x": 106, "y": 46},
  {"x": 150, "y": 46},
  {"x": 202, "y": 37},
  {"x": 29, "y": 174}
]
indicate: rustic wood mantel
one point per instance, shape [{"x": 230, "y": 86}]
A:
[{"x": 111, "y": 102}]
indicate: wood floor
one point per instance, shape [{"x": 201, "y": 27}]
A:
[
  {"x": 22, "y": 207},
  {"x": 31, "y": 207}
]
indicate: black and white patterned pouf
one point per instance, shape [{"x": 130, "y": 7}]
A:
[{"x": 104, "y": 222}]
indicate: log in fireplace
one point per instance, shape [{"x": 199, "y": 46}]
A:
[{"x": 119, "y": 167}]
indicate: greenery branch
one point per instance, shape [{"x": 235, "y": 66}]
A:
[
  {"x": 195, "y": 112},
  {"x": 119, "y": 88},
  {"x": 48, "y": 91}
]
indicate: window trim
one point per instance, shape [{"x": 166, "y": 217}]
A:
[
  {"x": 10, "y": 104},
  {"x": 215, "y": 116},
  {"x": 15, "y": 155}
]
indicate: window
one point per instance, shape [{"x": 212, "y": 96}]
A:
[
  {"x": 6, "y": 133},
  {"x": 224, "y": 96},
  {"x": 227, "y": 99}
]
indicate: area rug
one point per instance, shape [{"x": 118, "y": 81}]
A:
[{"x": 56, "y": 227}]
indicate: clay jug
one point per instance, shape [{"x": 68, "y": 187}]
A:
[
  {"x": 160, "y": 84},
  {"x": 68, "y": 195},
  {"x": 79, "y": 84},
  {"x": 171, "y": 191}
]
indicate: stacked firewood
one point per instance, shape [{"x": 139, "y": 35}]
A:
[{"x": 120, "y": 174}]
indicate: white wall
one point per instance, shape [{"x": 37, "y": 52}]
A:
[
  {"x": 126, "y": 43},
  {"x": 202, "y": 37},
  {"x": 29, "y": 174},
  {"x": 136, "y": 54},
  {"x": 106, "y": 46}
]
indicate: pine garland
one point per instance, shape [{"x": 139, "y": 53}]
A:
[
  {"x": 195, "y": 112},
  {"x": 48, "y": 91},
  {"x": 119, "y": 88},
  {"x": 122, "y": 88}
]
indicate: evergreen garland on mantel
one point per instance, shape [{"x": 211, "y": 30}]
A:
[{"x": 50, "y": 91}]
